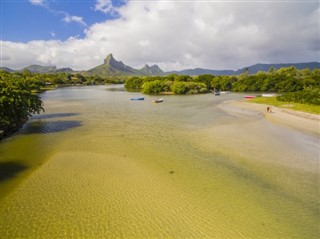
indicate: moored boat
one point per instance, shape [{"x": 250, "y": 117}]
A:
[
  {"x": 138, "y": 98},
  {"x": 249, "y": 96},
  {"x": 269, "y": 95},
  {"x": 158, "y": 100}
]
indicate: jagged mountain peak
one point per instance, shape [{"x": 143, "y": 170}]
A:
[
  {"x": 109, "y": 59},
  {"x": 111, "y": 66},
  {"x": 156, "y": 67},
  {"x": 151, "y": 70}
]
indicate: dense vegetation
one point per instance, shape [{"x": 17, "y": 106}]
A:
[
  {"x": 63, "y": 78},
  {"x": 292, "y": 84},
  {"x": 17, "y": 101}
]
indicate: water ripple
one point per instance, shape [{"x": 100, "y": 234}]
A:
[{"x": 44, "y": 127}]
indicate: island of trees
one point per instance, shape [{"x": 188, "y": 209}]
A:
[
  {"x": 19, "y": 98},
  {"x": 293, "y": 85}
]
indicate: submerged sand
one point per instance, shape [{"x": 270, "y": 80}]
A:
[{"x": 240, "y": 177}]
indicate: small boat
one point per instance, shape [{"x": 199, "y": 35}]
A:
[
  {"x": 158, "y": 100},
  {"x": 225, "y": 92},
  {"x": 268, "y": 95},
  {"x": 249, "y": 96},
  {"x": 138, "y": 98},
  {"x": 216, "y": 92}
]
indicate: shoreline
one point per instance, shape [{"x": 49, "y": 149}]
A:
[{"x": 302, "y": 121}]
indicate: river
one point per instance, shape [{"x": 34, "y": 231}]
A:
[{"x": 98, "y": 165}]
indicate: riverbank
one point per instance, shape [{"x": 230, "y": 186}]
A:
[{"x": 299, "y": 120}]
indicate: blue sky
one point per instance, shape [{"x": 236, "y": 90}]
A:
[
  {"x": 175, "y": 34},
  {"x": 24, "y": 21}
]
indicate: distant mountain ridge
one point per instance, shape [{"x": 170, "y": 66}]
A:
[
  {"x": 252, "y": 69},
  {"x": 40, "y": 69},
  {"x": 112, "y": 67}
]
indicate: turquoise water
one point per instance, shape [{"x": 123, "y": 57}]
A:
[{"x": 98, "y": 165}]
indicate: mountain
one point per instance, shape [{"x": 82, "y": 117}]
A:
[
  {"x": 40, "y": 69},
  {"x": 151, "y": 70},
  {"x": 7, "y": 69},
  {"x": 112, "y": 67},
  {"x": 201, "y": 71},
  {"x": 252, "y": 69},
  {"x": 47, "y": 69},
  {"x": 64, "y": 70},
  {"x": 265, "y": 67}
]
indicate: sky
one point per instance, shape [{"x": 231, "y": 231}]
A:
[{"x": 175, "y": 34}]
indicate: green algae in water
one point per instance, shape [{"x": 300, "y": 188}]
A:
[{"x": 110, "y": 177}]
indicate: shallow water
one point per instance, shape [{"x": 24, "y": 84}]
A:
[{"x": 97, "y": 165}]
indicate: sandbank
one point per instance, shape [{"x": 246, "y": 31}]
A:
[{"x": 306, "y": 122}]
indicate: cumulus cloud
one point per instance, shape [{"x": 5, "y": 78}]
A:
[
  {"x": 69, "y": 19},
  {"x": 104, "y": 6},
  {"x": 186, "y": 34}
]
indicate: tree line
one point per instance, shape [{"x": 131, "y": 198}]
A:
[{"x": 291, "y": 84}]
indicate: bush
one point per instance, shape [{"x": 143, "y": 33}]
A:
[
  {"x": 307, "y": 96},
  {"x": 180, "y": 88},
  {"x": 17, "y": 102},
  {"x": 134, "y": 83},
  {"x": 153, "y": 87}
]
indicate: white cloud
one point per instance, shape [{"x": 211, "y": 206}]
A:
[
  {"x": 69, "y": 19},
  {"x": 104, "y": 6},
  {"x": 186, "y": 34},
  {"x": 37, "y": 2},
  {"x": 107, "y": 7}
]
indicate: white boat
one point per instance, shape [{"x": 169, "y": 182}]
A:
[
  {"x": 158, "y": 100},
  {"x": 269, "y": 95}
]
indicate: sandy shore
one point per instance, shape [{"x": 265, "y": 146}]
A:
[{"x": 303, "y": 121}]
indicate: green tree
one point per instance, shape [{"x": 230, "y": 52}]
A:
[
  {"x": 180, "y": 87},
  {"x": 17, "y": 101},
  {"x": 134, "y": 83},
  {"x": 206, "y": 79},
  {"x": 153, "y": 87}
]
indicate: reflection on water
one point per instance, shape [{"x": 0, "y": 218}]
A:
[
  {"x": 44, "y": 127},
  {"x": 56, "y": 115},
  {"x": 185, "y": 168},
  {"x": 10, "y": 169}
]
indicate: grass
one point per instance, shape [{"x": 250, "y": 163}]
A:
[{"x": 314, "y": 109}]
